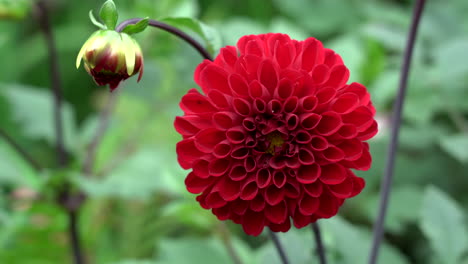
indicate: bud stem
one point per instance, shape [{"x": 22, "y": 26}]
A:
[{"x": 173, "y": 30}]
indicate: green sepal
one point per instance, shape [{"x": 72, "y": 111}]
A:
[
  {"x": 136, "y": 28},
  {"x": 95, "y": 22},
  {"x": 109, "y": 14}
]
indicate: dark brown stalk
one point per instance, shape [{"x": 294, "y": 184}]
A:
[
  {"x": 396, "y": 122},
  {"x": 279, "y": 247},
  {"x": 172, "y": 30},
  {"x": 319, "y": 243},
  {"x": 62, "y": 157}
]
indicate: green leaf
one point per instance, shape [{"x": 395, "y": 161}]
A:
[
  {"x": 208, "y": 34},
  {"x": 192, "y": 250},
  {"x": 442, "y": 222},
  {"x": 109, "y": 14},
  {"x": 134, "y": 178},
  {"x": 15, "y": 170},
  {"x": 33, "y": 109},
  {"x": 456, "y": 146},
  {"x": 136, "y": 28},
  {"x": 352, "y": 243},
  {"x": 95, "y": 22},
  {"x": 404, "y": 201}
]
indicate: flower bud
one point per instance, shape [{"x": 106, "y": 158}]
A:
[{"x": 111, "y": 57}]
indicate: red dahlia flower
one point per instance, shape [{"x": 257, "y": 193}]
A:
[{"x": 275, "y": 133}]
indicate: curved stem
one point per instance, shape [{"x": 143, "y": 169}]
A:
[
  {"x": 318, "y": 241},
  {"x": 279, "y": 248},
  {"x": 396, "y": 122},
  {"x": 170, "y": 29}
]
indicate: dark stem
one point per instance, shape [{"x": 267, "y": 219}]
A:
[
  {"x": 396, "y": 122},
  {"x": 319, "y": 244},
  {"x": 226, "y": 238},
  {"x": 101, "y": 130},
  {"x": 62, "y": 158},
  {"x": 279, "y": 248},
  {"x": 75, "y": 237},
  {"x": 24, "y": 154},
  {"x": 56, "y": 81},
  {"x": 170, "y": 29}
]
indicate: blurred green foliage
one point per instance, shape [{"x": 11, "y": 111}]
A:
[{"x": 139, "y": 211}]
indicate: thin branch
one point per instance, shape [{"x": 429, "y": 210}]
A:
[
  {"x": 56, "y": 84},
  {"x": 170, "y": 29},
  {"x": 319, "y": 244},
  {"x": 396, "y": 122},
  {"x": 279, "y": 248},
  {"x": 226, "y": 238},
  {"x": 21, "y": 151},
  {"x": 62, "y": 157},
  {"x": 103, "y": 125}
]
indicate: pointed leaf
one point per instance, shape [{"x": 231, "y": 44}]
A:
[
  {"x": 109, "y": 14},
  {"x": 136, "y": 28}
]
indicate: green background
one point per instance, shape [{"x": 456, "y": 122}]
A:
[{"x": 139, "y": 211}]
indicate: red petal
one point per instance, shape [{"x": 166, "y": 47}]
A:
[
  {"x": 333, "y": 174},
  {"x": 213, "y": 77},
  {"x": 276, "y": 214},
  {"x": 253, "y": 223},
  {"x": 309, "y": 173}
]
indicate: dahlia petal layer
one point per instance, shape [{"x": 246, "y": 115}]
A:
[{"x": 274, "y": 134}]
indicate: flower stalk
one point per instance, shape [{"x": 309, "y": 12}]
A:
[
  {"x": 386, "y": 183},
  {"x": 62, "y": 158},
  {"x": 320, "y": 249},
  {"x": 279, "y": 247}
]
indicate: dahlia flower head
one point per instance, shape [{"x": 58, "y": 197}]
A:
[{"x": 275, "y": 133}]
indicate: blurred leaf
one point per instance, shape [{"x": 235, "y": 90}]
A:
[
  {"x": 404, "y": 201},
  {"x": 443, "y": 223},
  {"x": 209, "y": 35},
  {"x": 138, "y": 177},
  {"x": 322, "y": 17},
  {"x": 352, "y": 52},
  {"x": 15, "y": 170},
  {"x": 451, "y": 59},
  {"x": 233, "y": 29},
  {"x": 33, "y": 109},
  {"x": 353, "y": 243},
  {"x": 190, "y": 213},
  {"x": 14, "y": 9},
  {"x": 456, "y": 146},
  {"x": 192, "y": 250}
]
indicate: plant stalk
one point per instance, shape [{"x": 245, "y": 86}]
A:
[
  {"x": 62, "y": 157},
  {"x": 173, "y": 30},
  {"x": 386, "y": 183},
  {"x": 319, "y": 243},
  {"x": 279, "y": 247}
]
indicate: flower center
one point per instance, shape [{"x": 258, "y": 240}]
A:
[{"x": 276, "y": 142}]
